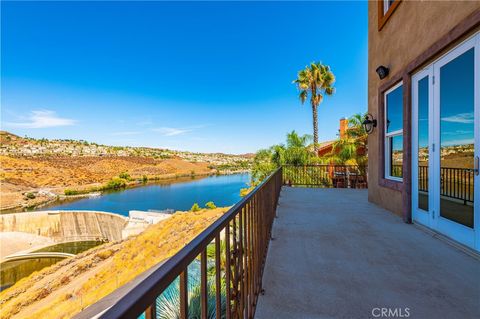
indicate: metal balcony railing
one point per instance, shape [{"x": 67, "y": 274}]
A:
[
  {"x": 336, "y": 176},
  {"x": 456, "y": 183},
  {"x": 237, "y": 271},
  {"x": 240, "y": 240}
]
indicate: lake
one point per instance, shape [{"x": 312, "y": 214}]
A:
[
  {"x": 177, "y": 194},
  {"x": 223, "y": 190}
]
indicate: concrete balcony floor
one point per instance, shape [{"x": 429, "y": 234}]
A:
[{"x": 335, "y": 255}]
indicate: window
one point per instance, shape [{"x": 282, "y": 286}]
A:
[
  {"x": 385, "y": 10},
  {"x": 386, "y": 5},
  {"x": 394, "y": 133}
]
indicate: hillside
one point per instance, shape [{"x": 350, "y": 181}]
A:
[
  {"x": 71, "y": 285},
  {"x": 34, "y": 171}
]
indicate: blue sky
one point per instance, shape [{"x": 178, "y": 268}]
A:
[{"x": 212, "y": 77}]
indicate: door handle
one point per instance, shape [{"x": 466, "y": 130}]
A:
[{"x": 477, "y": 166}]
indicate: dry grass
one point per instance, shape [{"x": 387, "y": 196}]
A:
[{"x": 64, "y": 289}]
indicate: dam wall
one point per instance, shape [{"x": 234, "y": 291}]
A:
[{"x": 64, "y": 226}]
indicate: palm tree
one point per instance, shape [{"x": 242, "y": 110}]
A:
[
  {"x": 168, "y": 303},
  {"x": 357, "y": 131},
  {"x": 295, "y": 140},
  {"x": 354, "y": 145},
  {"x": 316, "y": 80}
]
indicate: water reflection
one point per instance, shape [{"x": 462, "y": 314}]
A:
[
  {"x": 13, "y": 271},
  {"x": 423, "y": 150}
]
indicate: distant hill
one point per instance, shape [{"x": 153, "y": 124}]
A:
[
  {"x": 36, "y": 171},
  {"x": 14, "y": 145}
]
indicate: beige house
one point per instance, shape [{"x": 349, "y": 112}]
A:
[{"x": 424, "y": 92}]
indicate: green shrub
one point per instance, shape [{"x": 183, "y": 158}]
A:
[
  {"x": 210, "y": 205},
  {"x": 71, "y": 192},
  {"x": 195, "y": 208},
  {"x": 30, "y": 195},
  {"x": 125, "y": 175},
  {"x": 116, "y": 183},
  {"x": 144, "y": 178}
]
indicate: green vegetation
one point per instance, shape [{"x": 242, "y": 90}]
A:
[
  {"x": 70, "y": 192},
  {"x": 195, "y": 208},
  {"x": 210, "y": 205},
  {"x": 124, "y": 175},
  {"x": 352, "y": 149},
  {"x": 295, "y": 152},
  {"x": 115, "y": 183},
  {"x": 316, "y": 80},
  {"x": 245, "y": 191},
  {"x": 232, "y": 167},
  {"x": 168, "y": 304},
  {"x": 30, "y": 195}
]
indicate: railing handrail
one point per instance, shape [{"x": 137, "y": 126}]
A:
[
  {"x": 443, "y": 167},
  {"x": 326, "y": 175},
  {"x": 145, "y": 293},
  {"x": 333, "y": 165}
]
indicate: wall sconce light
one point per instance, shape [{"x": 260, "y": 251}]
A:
[
  {"x": 369, "y": 123},
  {"x": 382, "y": 71}
]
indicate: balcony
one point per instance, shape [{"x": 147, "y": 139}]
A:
[
  {"x": 297, "y": 252},
  {"x": 335, "y": 255}
]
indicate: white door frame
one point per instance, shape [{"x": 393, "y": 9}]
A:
[
  {"x": 463, "y": 234},
  {"x": 419, "y": 215}
]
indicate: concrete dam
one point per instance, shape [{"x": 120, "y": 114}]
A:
[{"x": 63, "y": 226}]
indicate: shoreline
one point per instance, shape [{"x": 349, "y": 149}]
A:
[{"x": 59, "y": 198}]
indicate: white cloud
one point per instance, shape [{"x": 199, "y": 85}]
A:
[
  {"x": 465, "y": 118},
  {"x": 125, "y": 133},
  {"x": 171, "y": 131},
  {"x": 42, "y": 119},
  {"x": 457, "y": 132}
]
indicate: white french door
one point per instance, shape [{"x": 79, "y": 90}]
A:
[{"x": 446, "y": 144}]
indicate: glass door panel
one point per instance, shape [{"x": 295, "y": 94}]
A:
[
  {"x": 423, "y": 186},
  {"x": 446, "y": 144},
  {"x": 422, "y": 144},
  {"x": 456, "y": 99}
]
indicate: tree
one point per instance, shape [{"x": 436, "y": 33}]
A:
[
  {"x": 315, "y": 81},
  {"x": 295, "y": 152},
  {"x": 357, "y": 131},
  {"x": 353, "y": 146},
  {"x": 168, "y": 303},
  {"x": 262, "y": 165},
  {"x": 210, "y": 205}
]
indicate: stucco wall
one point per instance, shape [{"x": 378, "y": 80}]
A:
[{"x": 412, "y": 29}]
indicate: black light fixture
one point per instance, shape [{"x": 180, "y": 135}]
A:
[
  {"x": 382, "y": 71},
  {"x": 369, "y": 123}
]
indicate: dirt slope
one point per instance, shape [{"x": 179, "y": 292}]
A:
[{"x": 64, "y": 289}]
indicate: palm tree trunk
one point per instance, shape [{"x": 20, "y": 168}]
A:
[{"x": 315, "y": 128}]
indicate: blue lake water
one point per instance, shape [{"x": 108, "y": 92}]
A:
[{"x": 175, "y": 194}]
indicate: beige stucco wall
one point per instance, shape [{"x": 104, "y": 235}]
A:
[{"x": 412, "y": 28}]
